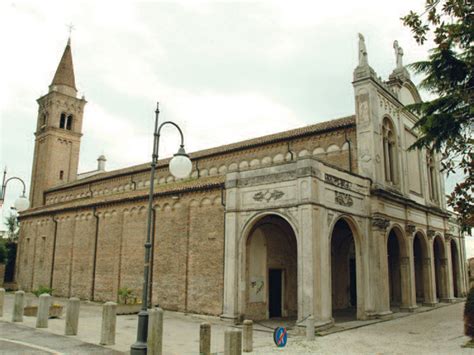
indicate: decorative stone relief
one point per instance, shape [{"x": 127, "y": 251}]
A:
[
  {"x": 268, "y": 196},
  {"x": 410, "y": 228},
  {"x": 334, "y": 180},
  {"x": 380, "y": 222},
  {"x": 448, "y": 237},
  {"x": 343, "y": 199},
  {"x": 430, "y": 233}
]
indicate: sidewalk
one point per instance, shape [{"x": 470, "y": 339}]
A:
[{"x": 181, "y": 332}]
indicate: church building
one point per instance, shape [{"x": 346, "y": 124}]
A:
[{"x": 338, "y": 216}]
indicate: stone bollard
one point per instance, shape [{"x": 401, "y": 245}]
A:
[
  {"x": 43, "y": 311},
  {"x": 232, "y": 341},
  {"x": 310, "y": 328},
  {"x": 205, "y": 339},
  {"x": 155, "y": 331},
  {"x": 2, "y": 300},
  {"x": 109, "y": 320},
  {"x": 19, "y": 306},
  {"x": 72, "y": 316},
  {"x": 248, "y": 336}
]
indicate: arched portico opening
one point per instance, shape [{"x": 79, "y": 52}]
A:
[
  {"x": 455, "y": 268},
  {"x": 398, "y": 269},
  {"x": 344, "y": 264},
  {"x": 439, "y": 255},
  {"x": 271, "y": 270},
  {"x": 421, "y": 261}
]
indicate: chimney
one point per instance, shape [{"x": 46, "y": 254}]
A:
[{"x": 101, "y": 163}]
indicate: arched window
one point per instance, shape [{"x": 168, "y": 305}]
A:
[
  {"x": 431, "y": 170},
  {"x": 62, "y": 121},
  {"x": 43, "y": 120},
  {"x": 389, "y": 151},
  {"x": 69, "y": 122}
]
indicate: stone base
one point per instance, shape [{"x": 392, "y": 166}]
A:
[
  {"x": 429, "y": 304},
  {"x": 234, "y": 318},
  {"x": 384, "y": 315},
  {"x": 408, "y": 309},
  {"x": 447, "y": 300},
  {"x": 128, "y": 309}
]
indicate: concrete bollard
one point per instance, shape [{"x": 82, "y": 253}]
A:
[
  {"x": 248, "y": 336},
  {"x": 43, "y": 311},
  {"x": 232, "y": 341},
  {"x": 155, "y": 331},
  {"x": 2, "y": 300},
  {"x": 109, "y": 320},
  {"x": 72, "y": 316},
  {"x": 310, "y": 328},
  {"x": 205, "y": 339},
  {"x": 19, "y": 306}
]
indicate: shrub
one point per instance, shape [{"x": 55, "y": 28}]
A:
[
  {"x": 126, "y": 296},
  {"x": 3, "y": 253},
  {"x": 469, "y": 314},
  {"x": 42, "y": 289}
]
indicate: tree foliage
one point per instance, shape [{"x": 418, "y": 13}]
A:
[
  {"x": 11, "y": 222},
  {"x": 446, "y": 122}
]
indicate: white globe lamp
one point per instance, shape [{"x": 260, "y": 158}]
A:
[
  {"x": 180, "y": 165},
  {"x": 21, "y": 203}
]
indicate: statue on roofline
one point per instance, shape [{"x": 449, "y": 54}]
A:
[
  {"x": 398, "y": 54},
  {"x": 363, "y": 61}
]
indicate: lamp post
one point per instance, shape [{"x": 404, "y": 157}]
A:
[
  {"x": 21, "y": 203},
  {"x": 180, "y": 166}
]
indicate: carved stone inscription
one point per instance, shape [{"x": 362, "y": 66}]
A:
[
  {"x": 343, "y": 199},
  {"x": 268, "y": 195},
  {"x": 334, "y": 180}
]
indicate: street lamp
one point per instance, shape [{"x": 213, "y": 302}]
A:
[
  {"x": 180, "y": 166},
  {"x": 21, "y": 203}
]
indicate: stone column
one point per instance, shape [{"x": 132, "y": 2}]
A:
[
  {"x": 248, "y": 336},
  {"x": 155, "y": 331},
  {"x": 18, "y": 307},
  {"x": 407, "y": 270},
  {"x": 43, "y": 311},
  {"x": 429, "y": 279},
  {"x": 205, "y": 339},
  {"x": 232, "y": 341},
  {"x": 231, "y": 267},
  {"x": 449, "y": 271},
  {"x": 2, "y": 300},
  {"x": 72, "y": 316},
  {"x": 379, "y": 269},
  {"x": 411, "y": 282},
  {"x": 109, "y": 319}
]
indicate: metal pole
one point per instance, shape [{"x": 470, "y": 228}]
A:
[{"x": 140, "y": 346}]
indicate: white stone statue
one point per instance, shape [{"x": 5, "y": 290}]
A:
[
  {"x": 398, "y": 54},
  {"x": 362, "y": 52}
]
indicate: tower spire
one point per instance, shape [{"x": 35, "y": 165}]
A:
[{"x": 64, "y": 75}]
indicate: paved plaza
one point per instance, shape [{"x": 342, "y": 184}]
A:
[{"x": 436, "y": 331}]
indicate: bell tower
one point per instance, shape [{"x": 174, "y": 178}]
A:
[{"x": 58, "y": 132}]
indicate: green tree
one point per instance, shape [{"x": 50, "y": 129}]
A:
[
  {"x": 11, "y": 222},
  {"x": 446, "y": 122}
]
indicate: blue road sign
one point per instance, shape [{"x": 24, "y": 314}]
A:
[{"x": 280, "y": 336}]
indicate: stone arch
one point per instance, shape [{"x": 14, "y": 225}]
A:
[
  {"x": 346, "y": 268},
  {"x": 304, "y": 153},
  {"x": 455, "y": 269},
  {"x": 440, "y": 265},
  {"x": 269, "y": 265},
  {"x": 422, "y": 265},
  {"x": 318, "y": 151},
  {"x": 279, "y": 158},
  {"x": 398, "y": 267}
]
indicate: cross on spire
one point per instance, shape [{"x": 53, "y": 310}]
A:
[{"x": 70, "y": 28}]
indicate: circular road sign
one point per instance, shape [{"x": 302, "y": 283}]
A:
[{"x": 280, "y": 336}]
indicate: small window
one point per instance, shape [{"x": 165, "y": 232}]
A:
[
  {"x": 431, "y": 170},
  {"x": 61, "y": 174},
  {"x": 43, "y": 121},
  {"x": 389, "y": 151},
  {"x": 69, "y": 122},
  {"x": 62, "y": 121}
]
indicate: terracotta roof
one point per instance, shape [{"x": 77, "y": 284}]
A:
[
  {"x": 272, "y": 138},
  {"x": 166, "y": 189},
  {"x": 65, "y": 71}
]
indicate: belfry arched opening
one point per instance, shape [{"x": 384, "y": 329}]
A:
[{"x": 271, "y": 270}]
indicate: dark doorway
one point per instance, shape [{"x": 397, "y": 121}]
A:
[
  {"x": 274, "y": 287},
  {"x": 353, "y": 280}
]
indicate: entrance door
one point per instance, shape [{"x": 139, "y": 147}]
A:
[{"x": 275, "y": 288}]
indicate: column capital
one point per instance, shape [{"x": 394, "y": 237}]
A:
[
  {"x": 380, "y": 222},
  {"x": 410, "y": 228},
  {"x": 430, "y": 233},
  {"x": 448, "y": 237}
]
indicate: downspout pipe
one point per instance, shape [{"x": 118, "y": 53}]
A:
[
  {"x": 94, "y": 262},
  {"x": 55, "y": 221}
]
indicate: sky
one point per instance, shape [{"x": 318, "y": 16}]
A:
[{"x": 222, "y": 70}]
